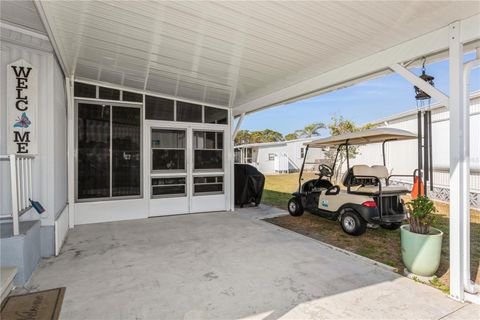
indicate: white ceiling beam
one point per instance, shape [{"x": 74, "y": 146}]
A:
[
  {"x": 41, "y": 13},
  {"x": 420, "y": 83},
  {"x": 434, "y": 43}
]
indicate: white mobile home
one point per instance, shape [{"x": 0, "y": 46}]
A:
[
  {"x": 276, "y": 157},
  {"x": 401, "y": 157},
  {"x": 123, "y": 110}
]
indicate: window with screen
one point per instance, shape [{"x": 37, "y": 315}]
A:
[
  {"x": 126, "y": 140},
  {"x": 132, "y": 96},
  {"x": 83, "y": 90},
  {"x": 168, "y": 150},
  {"x": 208, "y": 150},
  {"x": 109, "y": 151},
  {"x": 159, "y": 108},
  {"x": 208, "y": 185},
  {"x": 189, "y": 112},
  {"x": 93, "y": 146},
  {"x": 167, "y": 187},
  {"x": 216, "y": 115},
  {"x": 108, "y": 93}
]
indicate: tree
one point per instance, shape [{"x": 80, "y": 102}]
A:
[
  {"x": 243, "y": 137},
  {"x": 291, "y": 136},
  {"x": 310, "y": 130},
  {"x": 339, "y": 126},
  {"x": 267, "y": 135}
]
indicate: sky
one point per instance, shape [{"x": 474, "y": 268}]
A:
[{"x": 362, "y": 103}]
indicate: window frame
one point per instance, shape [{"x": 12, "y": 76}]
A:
[
  {"x": 167, "y": 171},
  {"x": 120, "y": 93},
  {"x": 112, "y": 104},
  {"x": 271, "y": 156},
  {"x": 146, "y": 93},
  {"x": 208, "y": 193},
  {"x": 214, "y": 170},
  {"x": 206, "y": 107},
  {"x": 174, "y": 108},
  {"x": 169, "y": 195},
  {"x": 189, "y": 105}
]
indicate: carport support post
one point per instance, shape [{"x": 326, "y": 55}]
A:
[
  {"x": 69, "y": 88},
  {"x": 458, "y": 175},
  {"x": 459, "y": 153},
  {"x": 232, "y": 155}
]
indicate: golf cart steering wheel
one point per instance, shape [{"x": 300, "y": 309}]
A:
[{"x": 325, "y": 171}]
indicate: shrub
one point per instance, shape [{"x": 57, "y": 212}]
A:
[{"x": 421, "y": 214}]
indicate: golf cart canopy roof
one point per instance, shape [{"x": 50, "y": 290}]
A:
[{"x": 364, "y": 137}]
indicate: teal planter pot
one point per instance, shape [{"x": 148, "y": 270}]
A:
[{"x": 421, "y": 252}]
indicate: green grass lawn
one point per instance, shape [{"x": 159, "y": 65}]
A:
[{"x": 377, "y": 244}]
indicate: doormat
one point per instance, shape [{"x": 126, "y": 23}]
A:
[{"x": 41, "y": 305}]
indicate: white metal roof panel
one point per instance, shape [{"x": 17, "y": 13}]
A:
[
  {"x": 21, "y": 13},
  {"x": 234, "y": 54}
]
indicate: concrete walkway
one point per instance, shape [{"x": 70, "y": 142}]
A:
[{"x": 226, "y": 266}]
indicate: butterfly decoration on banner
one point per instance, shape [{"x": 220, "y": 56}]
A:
[{"x": 22, "y": 122}]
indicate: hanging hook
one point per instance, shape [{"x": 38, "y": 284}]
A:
[{"x": 423, "y": 64}]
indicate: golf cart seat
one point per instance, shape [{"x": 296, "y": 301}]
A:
[{"x": 365, "y": 179}]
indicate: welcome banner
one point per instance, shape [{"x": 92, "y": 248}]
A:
[{"x": 22, "y": 107}]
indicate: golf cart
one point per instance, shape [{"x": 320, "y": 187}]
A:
[{"x": 367, "y": 197}]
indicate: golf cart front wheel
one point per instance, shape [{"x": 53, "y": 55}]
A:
[
  {"x": 353, "y": 224},
  {"x": 295, "y": 208},
  {"x": 391, "y": 226}
]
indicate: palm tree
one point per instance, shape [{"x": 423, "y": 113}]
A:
[
  {"x": 311, "y": 130},
  {"x": 291, "y": 136}
]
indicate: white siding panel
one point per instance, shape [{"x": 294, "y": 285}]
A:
[
  {"x": 105, "y": 211},
  {"x": 290, "y": 150},
  {"x": 402, "y": 156},
  {"x": 265, "y": 165},
  {"x": 49, "y": 166},
  {"x": 40, "y": 60}
]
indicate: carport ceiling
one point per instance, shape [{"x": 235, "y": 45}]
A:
[{"x": 237, "y": 54}]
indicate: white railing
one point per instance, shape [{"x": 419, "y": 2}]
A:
[{"x": 21, "y": 186}]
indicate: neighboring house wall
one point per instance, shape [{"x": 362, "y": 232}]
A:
[
  {"x": 265, "y": 163},
  {"x": 294, "y": 153},
  {"x": 285, "y": 156},
  {"x": 49, "y": 165},
  {"x": 401, "y": 157}
]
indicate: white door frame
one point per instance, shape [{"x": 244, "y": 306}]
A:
[{"x": 176, "y": 205}]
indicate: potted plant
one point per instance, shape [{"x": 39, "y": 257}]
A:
[{"x": 421, "y": 243}]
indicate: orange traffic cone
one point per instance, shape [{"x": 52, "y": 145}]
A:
[{"x": 418, "y": 183}]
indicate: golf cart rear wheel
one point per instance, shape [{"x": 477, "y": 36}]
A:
[
  {"x": 391, "y": 226},
  {"x": 353, "y": 224},
  {"x": 295, "y": 208}
]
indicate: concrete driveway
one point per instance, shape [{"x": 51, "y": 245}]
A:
[{"x": 226, "y": 266}]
